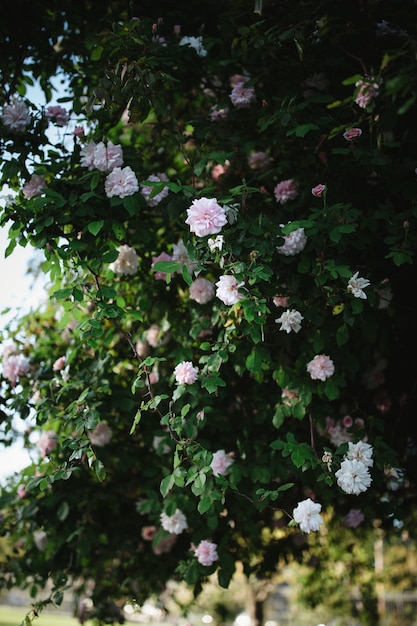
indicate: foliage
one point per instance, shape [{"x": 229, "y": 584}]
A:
[{"x": 133, "y": 82}]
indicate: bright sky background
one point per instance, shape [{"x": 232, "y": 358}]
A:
[{"x": 20, "y": 292}]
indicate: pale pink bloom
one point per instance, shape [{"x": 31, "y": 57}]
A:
[
  {"x": 126, "y": 262},
  {"x": 146, "y": 190},
  {"x": 280, "y": 301},
  {"x": 356, "y": 285},
  {"x": 121, "y": 182},
  {"x": 202, "y": 290},
  {"x": 40, "y": 539},
  {"x": 360, "y": 451},
  {"x": 57, "y": 114},
  {"x": 286, "y": 190},
  {"x": 287, "y": 395},
  {"x": 21, "y": 491},
  {"x": 228, "y": 290},
  {"x": 196, "y": 43},
  {"x": 16, "y": 116},
  {"x": 87, "y": 155},
  {"x": 154, "y": 336},
  {"x": 34, "y": 186},
  {"x": 148, "y": 532},
  {"x": 352, "y": 133},
  {"x": 290, "y": 320},
  {"x": 221, "y": 463},
  {"x": 174, "y": 524},
  {"x": 241, "y": 96},
  {"x": 354, "y": 518},
  {"x": 307, "y": 515},
  {"x": 217, "y": 171},
  {"x": 142, "y": 349},
  {"x": 165, "y": 545},
  {"x": 321, "y": 367},
  {"x": 353, "y": 477},
  {"x": 46, "y": 443},
  {"x": 206, "y": 553},
  {"x": 294, "y": 243},
  {"x": 180, "y": 255},
  {"x": 318, "y": 190},
  {"x": 59, "y": 364},
  {"x": 367, "y": 92},
  {"x": 337, "y": 432},
  {"x": 206, "y": 217},
  {"x": 185, "y": 373},
  {"x": 217, "y": 115},
  {"x": 107, "y": 157},
  {"x": 14, "y": 367},
  {"x": 215, "y": 243},
  {"x": 101, "y": 435},
  {"x": 161, "y": 257},
  {"x": 200, "y": 416},
  {"x": 258, "y": 161},
  {"x": 78, "y": 132}
]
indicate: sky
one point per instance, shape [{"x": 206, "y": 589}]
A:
[{"x": 19, "y": 293}]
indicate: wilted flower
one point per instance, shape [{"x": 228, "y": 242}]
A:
[
  {"x": 16, "y": 116},
  {"x": 241, "y": 96},
  {"x": 307, "y": 515},
  {"x": 321, "y": 367},
  {"x": 174, "y": 524},
  {"x": 101, "y": 435},
  {"x": 228, "y": 290},
  {"x": 206, "y": 217},
  {"x": 356, "y": 285},
  {"x": 34, "y": 186},
  {"x": 206, "y": 553},
  {"x": 185, "y": 373},
  {"x": 121, "y": 182},
  {"x": 286, "y": 190},
  {"x": 290, "y": 320},
  {"x": 126, "y": 262},
  {"x": 57, "y": 114},
  {"x": 202, "y": 290}
]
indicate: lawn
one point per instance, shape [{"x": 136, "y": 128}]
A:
[{"x": 13, "y": 616}]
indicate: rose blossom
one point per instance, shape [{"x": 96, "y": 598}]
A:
[
  {"x": 360, "y": 451},
  {"x": 126, "y": 262},
  {"x": 78, "y": 132},
  {"x": 161, "y": 257},
  {"x": 221, "y": 462},
  {"x": 107, "y": 157},
  {"x": 148, "y": 532},
  {"x": 146, "y": 190},
  {"x": 180, "y": 255},
  {"x": 290, "y": 320},
  {"x": 367, "y": 92},
  {"x": 286, "y": 190},
  {"x": 215, "y": 243},
  {"x": 57, "y": 114},
  {"x": 21, "y": 491},
  {"x": 294, "y": 243},
  {"x": 217, "y": 115},
  {"x": 59, "y": 364},
  {"x": 14, "y": 366},
  {"x": 202, "y": 290},
  {"x": 228, "y": 290},
  {"x": 101, "y": 435},
  {"x": 206, "y": 217},
  {"x": 356, "y": 285},
  {"x": 318, "y": 190},
  {"x": 46, "y": 443},
  {"x": 258, "y": 161},
  {"x": 280, "y": 301},
  {"x": 353, "y": 477},
  {"x": 121, "y": 182},
  {"x": 196, "y": 43},
  {"x": 206, "y": 553},
  {"x": 16, "y": 116},
  {"x": 87, "y": 155},
  {"x": 352, "y": 133},
  {"x": 185, "y": 373},
  {"x": 321, "y": 367},
  {"x": 307, "y": 515},
  {"x": 241, "y": 96},
  {"x": 174, "y": 524},
  {"x": 354, "y": 518},
  {"x": 34, "y": 186}
]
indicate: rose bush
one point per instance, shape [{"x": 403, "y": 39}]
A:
[{"x": 160, "y": 372}]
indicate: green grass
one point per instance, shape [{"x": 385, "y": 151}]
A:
[{"x": 13, "y": 616}]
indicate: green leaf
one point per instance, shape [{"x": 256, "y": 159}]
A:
[
  {"x": 63, "y": 511},
  {"x": 204, "y": 505},
  {"x": 166, "y": 485},
  {"x": 166, "y": 267},
  {"x": 95, "y": 227}
]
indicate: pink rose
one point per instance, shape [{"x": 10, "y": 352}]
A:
[
  {"x": 221, "y": 463},
  {"x": 121, "y": 182},
  {"x": 318, "y": 190},
  {"x": 206, "y": 217},
  {"x": 58, "y": 115},
  {"x": 206, "y": 553},
  {"x": 352, "y": 133},
  {"x": 241, "y": 96},
  {"x": 34, "y": 186},
  {"x": 286, "y": 190},
  {"x": 161, "y": 257},
  {"x": 321, "y": 367},
  {"x": 185, "y": 373}
]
